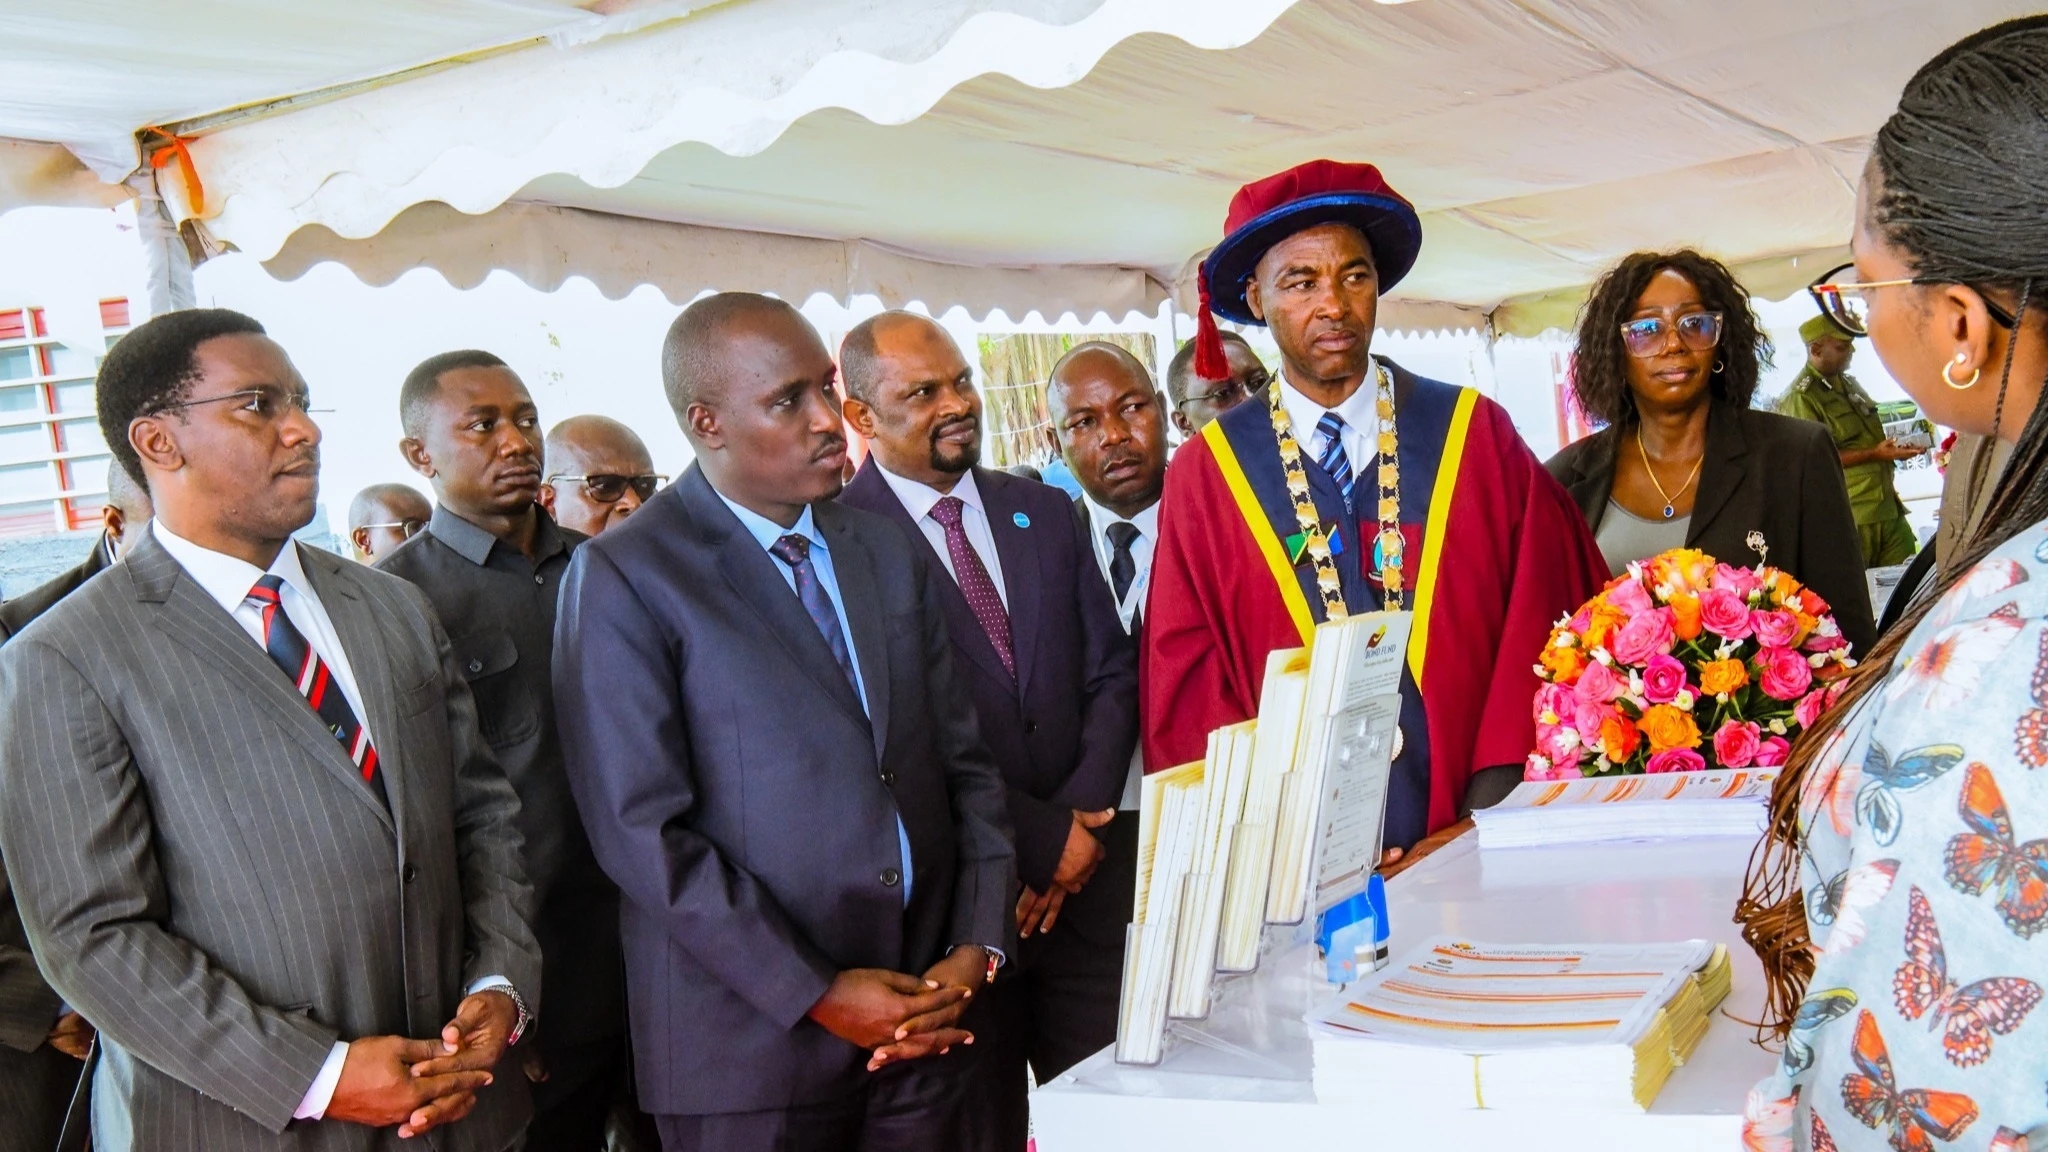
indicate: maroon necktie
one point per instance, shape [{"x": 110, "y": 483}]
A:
[{"x": 974, "y": 580}]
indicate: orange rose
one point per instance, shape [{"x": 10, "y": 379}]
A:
[
  {"x": 1810, "y": 604},
  {"x": 1606, "y": 620},
  {"x": 1564, "y": 664},
  {"x": 1669, "y": 728},
  {"x": 1681, "y": 569},
  {"x": 1685, "y": 616},
  {"x": 1721, "y": 677},
  {"x": 1619, "y": 738}
]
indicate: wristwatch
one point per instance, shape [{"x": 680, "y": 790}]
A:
[{"x": 519, "y": 1006}]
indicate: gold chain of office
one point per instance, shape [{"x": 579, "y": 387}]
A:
[{"x": 1316, "y": 546}]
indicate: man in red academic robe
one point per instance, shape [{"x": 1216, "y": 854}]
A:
[{"x": 1440, "y": 509}]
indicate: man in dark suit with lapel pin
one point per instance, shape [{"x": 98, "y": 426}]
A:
[
  {"x": 775, "y": 762},
  {"x": 1054, "y": 681},
  {"x": 255, "y": 836}
]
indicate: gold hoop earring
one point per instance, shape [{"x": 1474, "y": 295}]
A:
[{"x": 1950, "y": 380}]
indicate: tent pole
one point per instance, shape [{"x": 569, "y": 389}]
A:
[{"x": 168, "y": 261}]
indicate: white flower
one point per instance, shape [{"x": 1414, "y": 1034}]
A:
[
  {"x": 1727, "y": 650},
  {"x": 1538, "y": 763},
  {"x": 1567, "y": 640},
  {"x": 1602, "y": 656},
  {"x": 1817, "y": 660},
  {"x": 1777, "y": 727},
  {"x": 1684, "y": 700},
  {"x": 1569, "y": 737},
  {"x": 1828, "y": 627},
  {"x": 1635, "y": 684},
  {"x": 1541, "y": 672}
]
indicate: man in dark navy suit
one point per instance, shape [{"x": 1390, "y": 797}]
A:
[
  {"x": 1054, "y": 681},
  {"x": 774, "y": 760}
]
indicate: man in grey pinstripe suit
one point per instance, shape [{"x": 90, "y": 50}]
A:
[{"x": 287, "y": 939}]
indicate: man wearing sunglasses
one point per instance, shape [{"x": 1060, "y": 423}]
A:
[
  {"x": 1826, "y": 394},
  {"x": 492, "y": 561},
  {"x": 382, "y": 517},
  {"x": 599, "y": 473}
]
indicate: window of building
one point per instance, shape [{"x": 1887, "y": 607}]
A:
[{"x": 53, "y": 460}]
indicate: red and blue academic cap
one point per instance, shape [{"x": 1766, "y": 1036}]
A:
[{"x": 1265, "y": 212}]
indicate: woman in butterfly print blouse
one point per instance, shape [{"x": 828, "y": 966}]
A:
[{"x": 1900, "y": 902}]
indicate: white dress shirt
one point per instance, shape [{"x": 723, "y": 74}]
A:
[
  {"x": 1360, "y": 413},
  {"x": 917, "y": 499},
  {"x": 228, "y": 580},
  {"x": 1147, "y": 524}
]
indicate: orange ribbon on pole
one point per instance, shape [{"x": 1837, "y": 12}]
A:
[{"x": 176, "y": 149}]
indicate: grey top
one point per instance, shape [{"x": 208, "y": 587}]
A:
[{"x": 1625, "y": 537}]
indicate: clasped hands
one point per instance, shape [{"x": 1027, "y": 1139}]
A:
[
  {"x": 897, "y": 1016},
  {"x": 1078, "y": 861},
  {"x": 422, "y": 1084}
]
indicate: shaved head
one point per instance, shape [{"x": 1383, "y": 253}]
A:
[
  {"x": 383, "y": 516},
  {"x": 575, "y": 441},
  {"x": 1091, "y": 359},
  {"x": 860, "y": 368},
  {"x": 694, "y": 364},
  {"x": 608, "y": 457}
]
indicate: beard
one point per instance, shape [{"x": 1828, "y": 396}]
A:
[{"x": 954, "y": 460}]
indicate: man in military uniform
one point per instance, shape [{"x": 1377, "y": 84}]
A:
[{"x": 1826, "y": 394}]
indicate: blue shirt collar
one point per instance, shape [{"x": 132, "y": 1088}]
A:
[{"x": 766, "y": 532}]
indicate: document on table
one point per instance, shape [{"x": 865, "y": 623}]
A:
[{"x": 1717, "y": 802}]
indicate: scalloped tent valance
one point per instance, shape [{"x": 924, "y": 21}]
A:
[{"x": 1045, "y": 155}]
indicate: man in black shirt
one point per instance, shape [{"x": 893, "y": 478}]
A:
[{"x": 492, "y": 561}]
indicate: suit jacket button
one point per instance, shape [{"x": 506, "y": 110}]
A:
[
  {"x": 889, "y": 779},
  {"x": 409, "y": 873},
  {"x": 475, "y": 666},
  {"x": 1030, "y": 726},
  {"x": 891, "y": 877}
]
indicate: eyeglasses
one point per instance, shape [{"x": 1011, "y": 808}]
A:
[
  {"x": 407, "y": 529},
  {"x": 1645, "y": 338},
  {"x": 1230, "y": 392},
  {"x": 607, "y": 487},
  {"x": 269, "y": 404},
  {"x": 1844, "y": 304}
]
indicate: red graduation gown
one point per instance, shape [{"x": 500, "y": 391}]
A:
[{"x": 1497, "y": 552}]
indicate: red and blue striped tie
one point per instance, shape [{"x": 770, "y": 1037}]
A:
[{"x": 311, "y": 676}]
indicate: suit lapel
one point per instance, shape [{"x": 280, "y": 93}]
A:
[
  {"x": 855, "y": 568},
  {"x": 1722, "y": 471},
  {"x": 752, "y": 575},
  {"x": 189, "y": 617},
  {"x": 961, "y": 623},
  {"x": 1020, "y": 561},
  {"x": 363, "y": 641}
]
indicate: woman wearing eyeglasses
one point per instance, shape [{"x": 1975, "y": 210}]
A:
[
  {"x": 1899, "y": 902},
  {"x": 1668, "y": 357}
]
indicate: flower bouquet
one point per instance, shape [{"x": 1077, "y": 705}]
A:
[{"x": 1682, "y": 664}]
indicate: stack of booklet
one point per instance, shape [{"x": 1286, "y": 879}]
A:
[
  {"x": 1251, "y": 835},
  {"x": 1461, "y": 1024},
  {"x": 1719, "y": 802}
]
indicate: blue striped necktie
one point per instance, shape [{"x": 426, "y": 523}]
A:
[{"x": 1332, "y": 458}]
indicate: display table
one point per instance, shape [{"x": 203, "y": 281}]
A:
[{"x": 1203, "y": 1098}]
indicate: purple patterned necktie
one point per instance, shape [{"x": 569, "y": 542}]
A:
[{"x": 974, "y": 580}]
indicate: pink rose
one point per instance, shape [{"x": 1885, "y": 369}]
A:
[
  {"x": 1740, "y": 581},
  {"x": 1783, "y": 673},
  {"x": 1773, "y": 753},
  {"x": 1820, "y": 643},
  {"x": 1557, "y": 701},
  {"x": 1566, "y": 771},
  {"x": 1736, "y": 743},
  {"x": 1663, "y": 679},
  {"x": 1724, "y": 614},
  {"x": 1589, "y": 718},
  {"x": 1597, "y": 683},
  {"x": 1630, "y": 597},
  {"x": 1557, "y": 743},
  {"x": 1809, "y": 708},
  {"x": 1643, "y": 637},
  {"x": 1676, "y": 760},
  {"x": 1775, "y": 629}
]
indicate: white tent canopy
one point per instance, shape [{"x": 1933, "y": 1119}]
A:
[{"x": 1016, "y": 154}]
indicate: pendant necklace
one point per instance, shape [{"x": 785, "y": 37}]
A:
[{"x": 1670, "y": 499}]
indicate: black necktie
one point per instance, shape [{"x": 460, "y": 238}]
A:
[
  {"x": 311, "y": 676},
  {"x": 1123, "y": 568}
]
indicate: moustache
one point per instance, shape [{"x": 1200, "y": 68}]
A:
[
  {"x": 967, "y": 422},
  {"x": 834, "y": 442}
]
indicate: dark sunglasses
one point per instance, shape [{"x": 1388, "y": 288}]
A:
[
  {"x": 1645, "y": 338},
  {"x": 608, "y": 487},
  {"x": 1844, "y": 302}
]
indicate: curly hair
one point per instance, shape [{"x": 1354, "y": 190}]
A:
[
  {"x": 152, "y": 368},
  {"x": 1600, "y": 366}
]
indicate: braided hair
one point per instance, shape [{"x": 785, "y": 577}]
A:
[{"x": 1962, "y": 171}]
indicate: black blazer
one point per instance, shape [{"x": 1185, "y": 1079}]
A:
[
  {"x": 16, "y": 613},
  {"x": 1763, "y": 473},
  {"x": 1063, "y": 728},
  {"x": 746, "y": 804}
]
